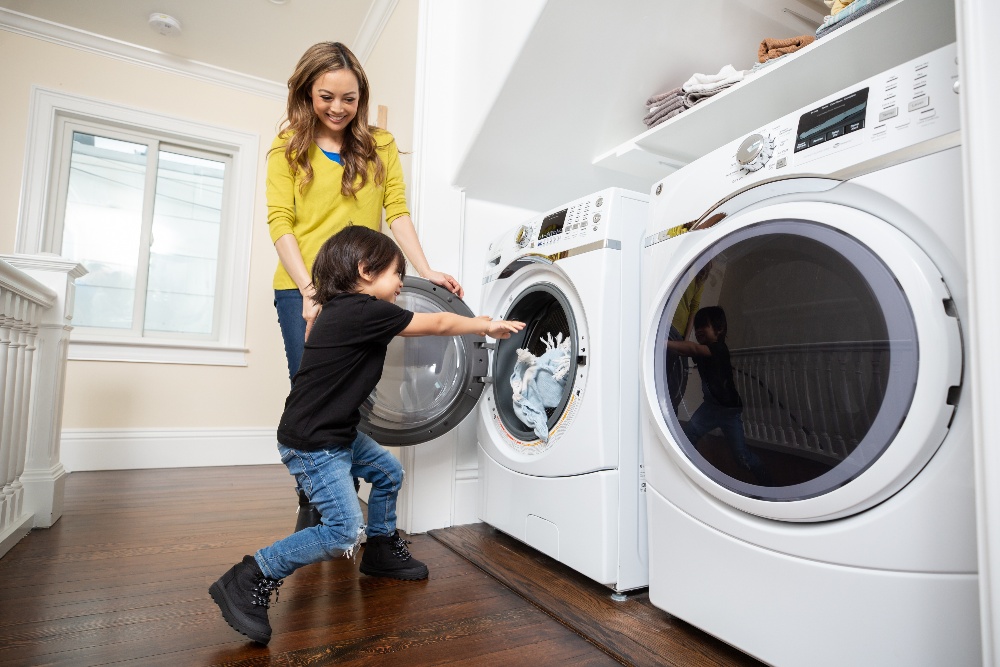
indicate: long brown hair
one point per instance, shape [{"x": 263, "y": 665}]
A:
[{"x": 358, "y": 149}]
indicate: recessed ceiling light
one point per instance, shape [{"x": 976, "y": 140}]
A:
[
  {"x": 279, "y": 2},
  {"x": 164, "y": 24}
]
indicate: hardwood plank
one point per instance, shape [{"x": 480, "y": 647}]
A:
[{"x": 634, "y": 631}]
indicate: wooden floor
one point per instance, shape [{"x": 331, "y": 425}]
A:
[
  {"x": 633, "y": 631},
  {"x": 123, "y": 579}
]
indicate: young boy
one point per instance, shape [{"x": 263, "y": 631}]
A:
[{"x": 358, "y": 274}]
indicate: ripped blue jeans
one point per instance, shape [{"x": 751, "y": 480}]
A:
[{"x": 327, "y": 477}]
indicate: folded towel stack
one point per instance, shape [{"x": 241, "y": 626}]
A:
[
  {"x": 698, "y": 88},
  {"x": 664, "y": 106},
  {"x": 702, "y": 86},
  {"x": 837, "y": 6},
  {"x": 854, "y": 10},
  {"x": 775, "y": 48}
]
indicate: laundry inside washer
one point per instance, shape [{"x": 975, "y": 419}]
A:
[
  {"x": 545, "y": 312},
  {"x": 539, "y": 383}
]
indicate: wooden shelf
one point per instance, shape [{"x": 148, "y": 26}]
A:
[{"x": 893, "y": 34}]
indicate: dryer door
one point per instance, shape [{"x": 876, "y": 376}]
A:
[
  {"x": 822, "y": 366},
  {"x": 429, "y": 383}
]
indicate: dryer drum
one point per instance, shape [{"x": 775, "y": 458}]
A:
[
  {"x": 545, "y": 311},
  {"x": 813, "y": 363}
]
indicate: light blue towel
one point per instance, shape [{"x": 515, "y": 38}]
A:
[
  {"x": 855, "y": 10},
  {"x": 539, "y": 382}
]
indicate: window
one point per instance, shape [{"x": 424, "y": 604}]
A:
[{"x": 157, "y": 211}]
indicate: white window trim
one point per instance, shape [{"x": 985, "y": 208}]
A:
[{"x": 34, "y": 233}]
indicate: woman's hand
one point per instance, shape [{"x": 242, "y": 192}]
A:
[
  {"x": 445, "y": 281},
  {"x": 310, "y": 309}
]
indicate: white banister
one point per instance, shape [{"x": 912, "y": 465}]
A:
[{"x": 36, "y": 306}]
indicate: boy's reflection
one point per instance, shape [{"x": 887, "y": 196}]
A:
[
  {"x": 680, "y": 329},
  {"x": 722, "y": 407}
]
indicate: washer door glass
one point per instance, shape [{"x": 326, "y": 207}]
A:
[
  {"x": 787, "y": 360},
  {"x": 549, "y": 322},
  {"x": 429, "y": 383}
]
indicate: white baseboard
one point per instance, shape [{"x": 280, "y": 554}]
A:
[
  {"x": 466, "y": 496},
  {"x": 13, "y": 533},
  {"x": 130, "y": 449}
]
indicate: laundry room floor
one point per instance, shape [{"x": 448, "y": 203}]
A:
[
  {"x": 122, "y": 578},
  {"x": 633, "y": 632}
]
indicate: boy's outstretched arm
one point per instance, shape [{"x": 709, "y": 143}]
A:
[
  {"x": 688, "y": 348},
  {"x": 450, "y": 324}
]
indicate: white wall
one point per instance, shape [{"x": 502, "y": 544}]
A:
[
  {"x": 461, "y": 63},
  {"x": 978, "y": 49}
]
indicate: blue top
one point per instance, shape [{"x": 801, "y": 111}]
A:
[{"x": 333, "y": 156}]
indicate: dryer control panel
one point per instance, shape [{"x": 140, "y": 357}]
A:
[
  {"x": 907, "y": 105},
  {"x": 590, "y": 223},
  {"x": 903, "y": 113}
]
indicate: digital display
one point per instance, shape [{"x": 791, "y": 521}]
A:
[
  {"x": 552, "y": 224},
  {"x": 832, "y": 120}
]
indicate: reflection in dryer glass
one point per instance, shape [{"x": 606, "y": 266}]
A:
[
  {"x": 777, "y": 362},
  {"x": 421, "y": 377}
]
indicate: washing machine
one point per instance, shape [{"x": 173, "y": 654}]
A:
[
  {"x": 574, "y": 491},
  {"x": 834, "y": 524}
]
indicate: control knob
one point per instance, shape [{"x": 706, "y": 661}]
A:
[{"x": 754, "y": 152}]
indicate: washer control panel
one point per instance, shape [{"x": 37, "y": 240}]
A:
[{"x": 589, "y": 222}]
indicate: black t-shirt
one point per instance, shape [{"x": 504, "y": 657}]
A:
[
  {"x": 341, "y": 364},
  {"x": 717, "y": 376}
]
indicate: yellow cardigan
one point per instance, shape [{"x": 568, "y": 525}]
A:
[{"x": 323, "y": 210}]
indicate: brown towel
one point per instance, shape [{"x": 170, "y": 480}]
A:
[{"x": 774, "y": 48}]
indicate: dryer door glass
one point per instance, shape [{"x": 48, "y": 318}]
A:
[
  {"x": 787, "y": 360},
  {"x": 429, "y": 383},
  {"x": 540, "y": 362}
]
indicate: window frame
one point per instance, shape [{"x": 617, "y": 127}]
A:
[{"x": 40, "y": 231}]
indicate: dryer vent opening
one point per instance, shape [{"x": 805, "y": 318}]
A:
[{"x": 547, "y": 315}]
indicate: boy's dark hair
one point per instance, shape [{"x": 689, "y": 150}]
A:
[
  {"x": 713, "y": 316},
  {"x": 336, "y": 268}
]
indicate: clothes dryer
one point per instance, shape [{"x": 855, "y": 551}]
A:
[
  {"x": 575, "y": 494},
  {"x": 837, "y": 525}
]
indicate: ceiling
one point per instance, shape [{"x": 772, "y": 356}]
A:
[{"x": 261, "y": 38}]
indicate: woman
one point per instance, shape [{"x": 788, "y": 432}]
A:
[{"x": 328, "y": 169}]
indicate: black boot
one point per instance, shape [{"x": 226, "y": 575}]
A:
[
  {"x": 244, "y": 596},
  {"x": 307, "y": 515},
  {"x": 387, "y": 556}
]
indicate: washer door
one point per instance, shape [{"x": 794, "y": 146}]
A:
[
  {"x": 429, "y": 383},
  {"x": 840, "y": 365}
]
